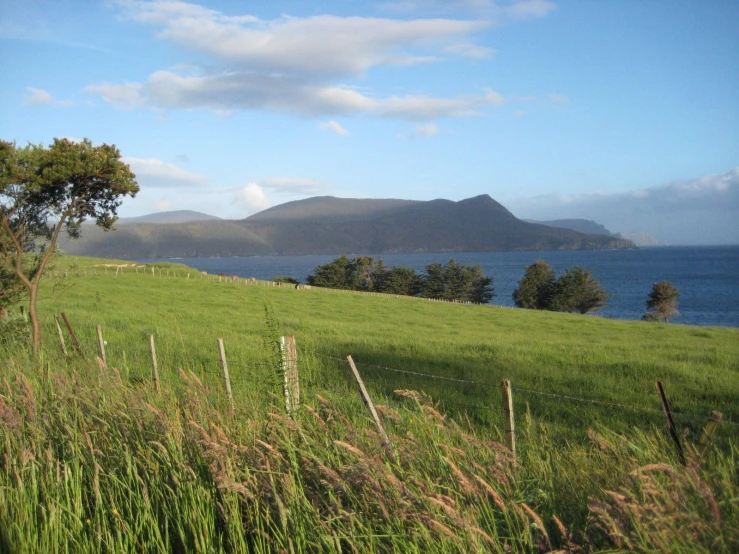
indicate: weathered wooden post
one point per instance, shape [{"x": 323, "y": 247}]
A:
[
  {"x": 670, "y": 423},
  {"x": 705, "y": 440},
  {"x": 370, "y": 406},
  {"x": 61, "y": 335},
  {"x": 73, "y": 336},
  {"x": 510, "y": 424},
  {"x": 101, "y": 344},
  {"x": 290, "y": 374},
  {"x": 154, "y": 369},
  {"x": 224, "y": 372}
]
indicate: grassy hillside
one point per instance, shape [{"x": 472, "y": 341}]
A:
[{"x": 96, "y": 460}]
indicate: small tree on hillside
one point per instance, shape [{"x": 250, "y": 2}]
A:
[
  {"x": 577, "y": 291},
  {"x": 536, "y": 288},
  {"x": 662, "y": 300},
  {"x": 46, "y": 190}
]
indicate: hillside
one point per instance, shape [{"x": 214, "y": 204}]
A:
[
  {"x": 177, "y": 216},
  {"x": 586, "y": 226},
  {"x": 179, "y": 466},
  {"x": 328, "y": 225}
]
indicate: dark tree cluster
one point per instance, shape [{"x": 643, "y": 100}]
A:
[
  {"x": 662, "y": 302},
  {"x": 450, "y": 281},
  {"x": 574, "y": 291}
]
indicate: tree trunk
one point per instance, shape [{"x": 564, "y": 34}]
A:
[{"x": 33, "y": 314}]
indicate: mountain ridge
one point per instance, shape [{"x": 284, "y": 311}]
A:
[{"x": 330, "y": 225}]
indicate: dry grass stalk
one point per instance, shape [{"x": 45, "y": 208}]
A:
[
  {"x": 493, "y": 494},
  {"x": 350, "y": 448}
]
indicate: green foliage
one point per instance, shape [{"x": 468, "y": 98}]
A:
[
  {"x": 536, "y": 288},
  {"x": 662, "y": 300},
  {"x": 577, "y": 291},
  {"x": 14, "y": 331},
  {"x": 45, "y": 190},
  {"x": 574, "y": 291},
  {"x": 452, "y": 281},
  {"x": 457, "y": 282},
  {"x": 399, "y": 280}
]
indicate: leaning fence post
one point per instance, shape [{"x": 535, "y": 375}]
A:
[
  {"x": 670, "y": 423},
  {"x": 224, "y": 371},
  {"x": 61, "y": 335},
  {"x": 154, "y": 369},
  {"x": 705, "y": 440},
  {"x": 370, "y": 406},
  {"x": 73, "y": 336},
  {"x": 510, "y": 424},
  {"x": 101, "y": 344},
  {"x": 290, "y": 373}
]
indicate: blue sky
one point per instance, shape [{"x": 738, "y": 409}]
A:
[{"x": 626, "y": 112}]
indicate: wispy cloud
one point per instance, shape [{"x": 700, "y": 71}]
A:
[
  {"x": 704, "y": 210},
  {"x": 155, "y": 173},
  {"x": 40, "y": 97},
  {"x": 297, "y": 65},
  {"x": 494, "y": 10},
  {"x": 335, "y": 127}
]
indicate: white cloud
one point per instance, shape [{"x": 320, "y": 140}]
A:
[
  {"x": 278, "y": 93},
  {"x": 155, "y": 173},
  {"x": 695, "y": 211},
  {"x": 497, "y": 11},
  {"x": 40, "y": 97},
  {"x": 123, "y": 96},
  {"x": 252, "y": 198},
  {"x": 293, "y": 185},
  {"x": 321, "y": 45},
  {"x": 296, "y": 65},
  {"x": 335, "y": 127}
]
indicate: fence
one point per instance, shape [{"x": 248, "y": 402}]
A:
[{"x": 217, "y": 370}]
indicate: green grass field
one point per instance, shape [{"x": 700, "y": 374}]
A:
[{"x": 119, "y": 467}]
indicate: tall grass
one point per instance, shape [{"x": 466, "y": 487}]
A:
[{"x": 92, "y": 462}]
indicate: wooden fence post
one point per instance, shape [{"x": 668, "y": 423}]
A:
[
  {"x": 224, "y": 371},
  {"x": 101, "y": 344},
  {"x": 370, "y": 406},
  {"x": 670, "y": 423},
  {"x": 705, "y": 440},
  {"x": 290, "y": 373},
  {"x": 73, "y": 336},
  {"x": 117, "y": 269},
  {"x": 510, "y": 424},
  {"x": 154, "y": 369},
  {"x": 61, "y": 335}
]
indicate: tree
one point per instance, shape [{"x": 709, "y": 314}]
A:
[
  {"x": 455, "y": 281},
  {"x": 662, "y": 300},
  {"x": 536, "y": 288},
  {"x": 398, "y": 280},
  {"x": 44, "y": 191},
  {"x": 344, "y": 273},
  {"x": 577, "y": 291}
]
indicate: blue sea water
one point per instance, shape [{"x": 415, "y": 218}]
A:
[{"x": 707, "y": 276}]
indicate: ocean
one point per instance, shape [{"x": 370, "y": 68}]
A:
[{"x": 706, "y": 276}]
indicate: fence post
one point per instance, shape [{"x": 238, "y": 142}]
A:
[
  {"x": 224, "y": 371},
  {"x": 73, "y": 336},
  {"x": 101, "y": 343},
  {"x": 61, "y": 335},
  {"x": 670, "y": 423},
  {"x": 290, "y": 373},
  {"x": 510, "y": 424},
  {"x": 154, "y": 369},
  {"x": 117, "y": 269},
  {"x": 705, "y": 440},
  {"x": 370, "y": 406}
]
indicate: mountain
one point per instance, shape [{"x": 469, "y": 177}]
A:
[
  {"x": 580, "y": 225},
  {"x": 179, "y": 216},
  {"x": 329, "y": 225}
]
